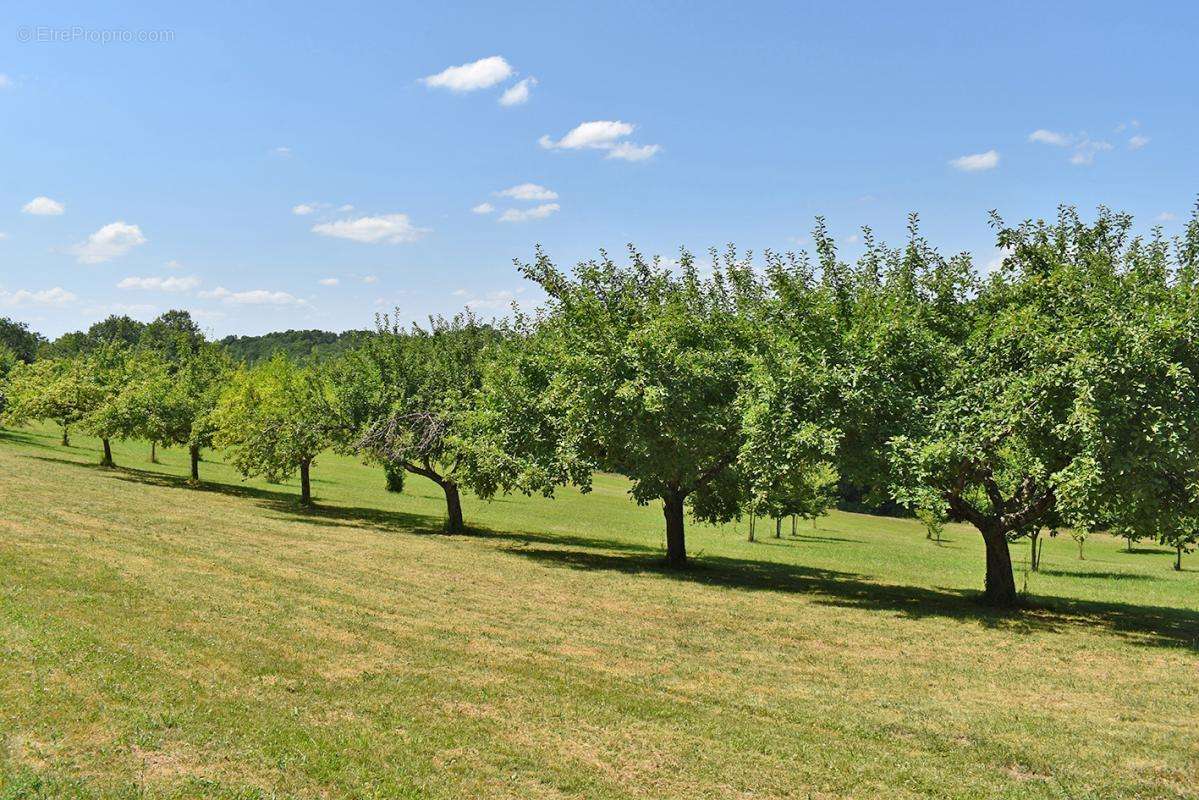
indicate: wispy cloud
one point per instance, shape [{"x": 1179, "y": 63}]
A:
[
  {"x": 1086, "y": 150},
  {"x": 1137, "y": 142},
  {"x": 57, "y": 296},
  {"x": 328, "y": 281},
  {"x": 976, "y": 162},
  {"x": 1083, "y": 146},
  {"x": 525, "y": 214},
  {"x": 481, "y": 74},
  {"x": 253, "y": 297},
  {"x": 388, "y": 228},
  {"x": 518, "y": 93},
  {"x": 1050, "y": 137},
  {"x": 159, "y": 284},
  {"x": 483, "y": 208},
  {"x": 528, "y": 191},
  {"x": 607, "y": 135}
]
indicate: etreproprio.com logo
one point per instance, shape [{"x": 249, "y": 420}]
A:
[{"x": 60, "y": 34}]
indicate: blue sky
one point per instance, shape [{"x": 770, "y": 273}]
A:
[{"x": 164, "y": 168}]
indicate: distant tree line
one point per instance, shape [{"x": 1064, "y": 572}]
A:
[
  {"x": 297, "y": 345},
  {"x": 1057, "y": 392}
]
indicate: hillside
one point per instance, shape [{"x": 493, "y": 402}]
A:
[{"x": 165, "y": 641}]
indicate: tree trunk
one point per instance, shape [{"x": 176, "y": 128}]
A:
[
  {"x": 1081, "y": 557},
  {"x": 107, "y": 459},
  {"x": 752, "y": 520},
  {"x": 1000, "y": 583},
  {"x": 1034, "y": 561},
  {"x": 66, "y": 440},
  {"x": 778, "y": 528},
  {"x": 793, "y": 521},
  {"x": 305, "y": 485},
  {"x": 453, "y": 508},
  {"x": 153, "y": 452},
  {"x": 676, "y": 543},
  {"x": 194, "y": 452},
  {"x": 1178, "y": 558}
]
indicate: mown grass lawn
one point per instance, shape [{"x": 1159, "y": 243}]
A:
[{"x": 162, "y": 641}]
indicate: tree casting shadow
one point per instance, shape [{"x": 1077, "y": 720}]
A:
[
  {"x": 1146, "y": 625},
  {"x": 278, "y": 501}
]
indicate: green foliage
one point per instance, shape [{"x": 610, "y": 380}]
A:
[
  {"x": 636, "y": 370},
  {"x": 19, "y": 340},
  {"x": 1072, "y": 397},
  {"x": 403, "y": 395},
  {"x": 302, "y": 345},
  {"x": 59, "y": 390},
  {"x": 275, "y": 419}
]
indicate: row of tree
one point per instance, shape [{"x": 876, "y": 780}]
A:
[{"x": 1058, "y": 391}]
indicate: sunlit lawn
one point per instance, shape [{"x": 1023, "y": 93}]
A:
[{"x": 164, "y": 641}]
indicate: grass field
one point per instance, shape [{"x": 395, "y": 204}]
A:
[{"x": 163, "y": 641}]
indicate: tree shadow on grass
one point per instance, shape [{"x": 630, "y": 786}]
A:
[
  {"x": 1146, "y": 625},
  {"x": 1100, "y": 574},
  {"x": 281, "y": 502}
]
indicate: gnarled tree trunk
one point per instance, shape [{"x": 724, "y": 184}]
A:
[
  {"x": 107, "y": 459},
  {"x": 1000, "y": 582},
  {"x": 453, "y": 507}
]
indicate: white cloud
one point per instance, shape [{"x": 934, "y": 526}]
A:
[
  {"x": 5, "y": 81},
  {"x": 481, "y": 74},
  {"x": 157, "y": 284},
  {"x": 1166, "y": 216},
  {"x": 113, "y": 240},
  {"x": 253, "y": 297},
  {"x": 602, "y": 135},
  {"x": 1084, "y": 146},
  {"x": 173, "y": 264},
  {"x": 483, "y": 208},
  {"x": 1050, "y": 137},
  {"x": 390, "y": 228},
  {"x": 518, "y": 94},
  {"x": 57, "y": 296},
  {"x": 627, "y": 151},
  {"x": 1085, "y": 150},
  {"x": 524, "y": 214},
  {"x": 345, "y": 207},
  {"x": 370, "y": 279},
  {"x": 3, "y": 236},
  {"x": 528, "y": 191},
  {"x": 328, "y": 281},
  {"x": 44, "y": 207},
  {"x": 282, "y": 152},
  {"x": 976, "y": 162},
  {"x": 493, "y": 300},
  {"x": 1137, "y": 142},
  {"x": 303, "y": 209}
]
